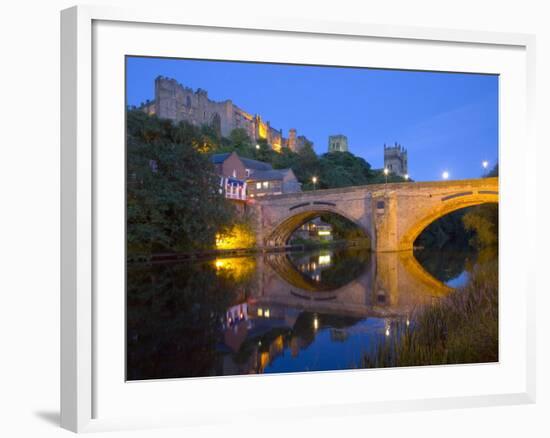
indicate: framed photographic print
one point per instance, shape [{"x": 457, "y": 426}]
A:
[{"x": 318, "y": 214}]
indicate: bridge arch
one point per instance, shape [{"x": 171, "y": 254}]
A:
[
  {"x": 282, "y": 231},
  {"x": 448, "y": 205}
]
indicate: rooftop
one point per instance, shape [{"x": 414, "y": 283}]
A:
[
  {"x": 248, "y": 162},
  {"x": 268, "y": 175}
]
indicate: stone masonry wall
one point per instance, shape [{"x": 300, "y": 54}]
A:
[{"x": 179, "y": 103}]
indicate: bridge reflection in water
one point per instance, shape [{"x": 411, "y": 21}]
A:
[{"x": 277, "y": 312}]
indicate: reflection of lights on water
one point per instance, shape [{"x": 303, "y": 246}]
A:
[
  {"x": 324, "y": 259},
  {"x": 315, "y": 323},
  {"x": 314, "y": 266},
  {"x": 408, "y": 322},
  {"x": 387, "y": 331}
]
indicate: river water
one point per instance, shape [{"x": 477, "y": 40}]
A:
[{"x": 280, "y": 312}]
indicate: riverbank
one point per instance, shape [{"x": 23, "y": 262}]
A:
[
  {"x": 205, "y": 254},
  {"x": 460, "y": 328}
]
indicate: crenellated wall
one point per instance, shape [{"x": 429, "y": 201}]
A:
[
  {"x": 396, "y": 159},
  {"x": 179, "y": 103}
]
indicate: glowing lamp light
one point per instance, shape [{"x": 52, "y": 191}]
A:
[
  {"x": 324, "y": 259},
  {"x": 257, "y": 146},
  {"x": 323, "y": 233},
  {"x": 445, "y": 175},
  {"x": 406, "y": 177},
  {"x": 315, "y": 323},
  {"x": 260, "y": 311},
  {"x": 386, "y": 171},
  {"x": 266, "y": 313},
  {"x": 485, "y": 164},
  {"x": 314, "y": 179}
]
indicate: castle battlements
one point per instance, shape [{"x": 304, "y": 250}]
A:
[
  {"x": 396, "y": 159},
  {"x": 177, "y": 102}
]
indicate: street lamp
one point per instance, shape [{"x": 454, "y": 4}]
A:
[
  {"x": 485, "y": 165},
  {"x": 406, "y": 176},
  {"x": 257, "y": 146},
  {"x": 386, "y": 172},
  {"x": 445, "y": 175},
  {"x": 314, "y": 181}
]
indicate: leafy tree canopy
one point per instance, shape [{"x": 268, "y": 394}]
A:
[{"x": 173, "y": 197}]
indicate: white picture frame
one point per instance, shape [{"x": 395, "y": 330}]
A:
[{"x": 80, "y": 367}]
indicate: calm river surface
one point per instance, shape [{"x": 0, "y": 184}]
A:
[{"x": 280, "y": 312}]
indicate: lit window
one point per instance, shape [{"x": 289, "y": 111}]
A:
[
  {"x": 258, "y": 185},
  {"x": 265, "y": 184}
]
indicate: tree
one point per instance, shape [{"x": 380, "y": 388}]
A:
[
  {"x": 493, "y": 172},
  {"x": 483, "y": 221},
  {"x": 240, "y": 142},
  {"x": 377, "y": 177},
  {"x": 343, "y": 228},
  {"x": 343, "y": 169},
  {"x": 173, "y": 197},
  {"x": 306, "y": 166}
]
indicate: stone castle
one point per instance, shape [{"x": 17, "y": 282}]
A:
[
  {"x": 179, "y": 103},
  {"x": 395, "y": 159}
]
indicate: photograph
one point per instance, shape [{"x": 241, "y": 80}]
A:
[{"x": 291, "y": 218}]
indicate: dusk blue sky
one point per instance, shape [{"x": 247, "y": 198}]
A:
[{"x": 447, "y": 121}]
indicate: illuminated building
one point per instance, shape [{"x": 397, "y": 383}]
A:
[
  {"x": 243, "y": 177},
  {"x": 176, "y": 102},
  {"x": 396, "y": 160}
]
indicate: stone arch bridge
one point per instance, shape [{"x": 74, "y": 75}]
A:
[{"x": 392, "y": 215}]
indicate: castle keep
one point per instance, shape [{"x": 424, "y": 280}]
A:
[
  {"x": 175, "y": 102},
  {"x": 395, "y": 159},
  {"x": 338, "y": 143}
]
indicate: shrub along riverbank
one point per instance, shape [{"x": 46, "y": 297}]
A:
[{"x": 460, "y": 328}]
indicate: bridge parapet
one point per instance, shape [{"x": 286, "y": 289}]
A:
[{"x": 392, "y": 215}]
